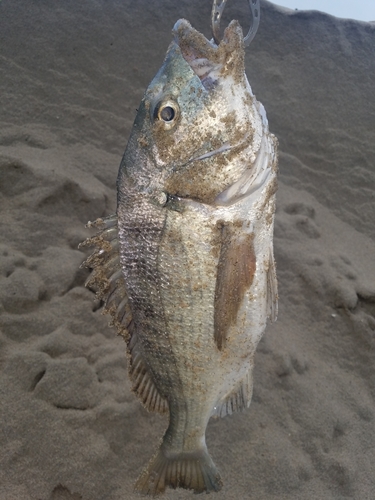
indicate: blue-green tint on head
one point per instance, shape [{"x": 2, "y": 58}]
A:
[{"x": 194, "y": 112}]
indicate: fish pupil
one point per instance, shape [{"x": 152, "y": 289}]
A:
[{"x": 167, "y": 114}]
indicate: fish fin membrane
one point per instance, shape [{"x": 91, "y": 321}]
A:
[
  {"x": 235, "y": 274},
  {"x": 193, "y": 471},
  {"x": 272, "y": 295},
  {"x": 238, "y": 400},
  {"x": 109, "y": 284},
  {"x": 106, "y": 278},
  {"x": 143, "y": 385}
]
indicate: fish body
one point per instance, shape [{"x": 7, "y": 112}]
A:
[{"x": 186, "y": 265}]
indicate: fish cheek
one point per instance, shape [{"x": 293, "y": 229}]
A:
[
  {"x": 196, "y": 181},
  {"x": 235, "y": 274},
  {"x": 165, "y": 143}
]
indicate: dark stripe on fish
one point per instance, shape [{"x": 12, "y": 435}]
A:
[
  {"x": 235, "y": 274},
  {"x": 141, "y": 228}
]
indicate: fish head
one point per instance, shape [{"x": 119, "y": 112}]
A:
[{"x": 198, "y": 127}]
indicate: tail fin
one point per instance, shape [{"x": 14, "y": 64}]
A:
[{"x": 194, "y": 471}]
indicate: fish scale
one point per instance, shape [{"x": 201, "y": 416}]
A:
[
  {"x": 188, "y": 301},
  {"x": 193, "y": 239},
  {"x": 139, "y": 260}
]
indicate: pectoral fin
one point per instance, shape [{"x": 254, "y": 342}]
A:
[{"x": 235, "y": 274}]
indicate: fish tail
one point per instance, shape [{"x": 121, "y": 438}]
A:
[{"x": 190, "y": 470}]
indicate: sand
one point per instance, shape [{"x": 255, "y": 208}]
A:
[{"x": 71, "y": 77}]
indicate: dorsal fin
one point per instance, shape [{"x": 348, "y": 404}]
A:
[
  {"x": 272, "y": 295},
  {"x": 108, "y": 282}
]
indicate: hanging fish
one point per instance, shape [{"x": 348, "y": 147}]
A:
[{"x": 185, "y": 267}]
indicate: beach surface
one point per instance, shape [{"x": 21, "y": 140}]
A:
[{"x": 71, "y": 77}]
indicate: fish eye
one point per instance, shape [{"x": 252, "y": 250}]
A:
[{"x": 167, "y": 112}]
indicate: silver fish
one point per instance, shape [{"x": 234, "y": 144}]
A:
[{"x": 186, "y": 266}]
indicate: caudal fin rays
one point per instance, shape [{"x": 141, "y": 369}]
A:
[{"x": 195, "y": 471}]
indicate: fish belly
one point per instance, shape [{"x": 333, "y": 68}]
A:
[
  {"x": 189, "y": 256},
  {"x": 170, "y": 260}
]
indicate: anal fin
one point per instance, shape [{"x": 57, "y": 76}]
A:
[
  {"x": 108, "y": 281},
  {"x": 238, "y": 399}
]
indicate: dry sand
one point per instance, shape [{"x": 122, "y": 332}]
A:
[{"x": 71, "y": 76}]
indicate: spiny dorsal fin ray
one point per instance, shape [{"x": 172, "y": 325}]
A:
[
  {"x": 108, "y": 282},
  {"x": 272, "y": 295},
  {"x": 143, "y": 385}
]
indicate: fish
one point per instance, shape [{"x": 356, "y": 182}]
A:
[{"x": 185, "y": 267}]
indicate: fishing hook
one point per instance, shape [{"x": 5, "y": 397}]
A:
[{"x": 217, "y": 11}]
